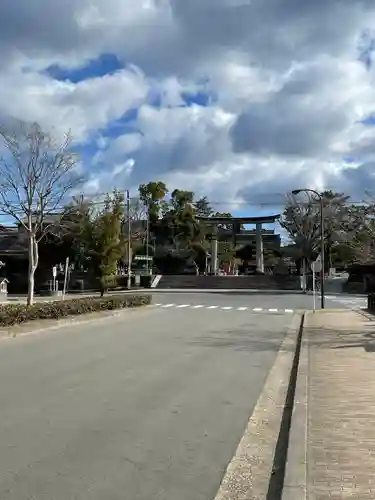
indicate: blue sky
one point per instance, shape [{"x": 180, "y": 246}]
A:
[
  {"x": 198, "y": 94},
  {"x": 105, "y": 64},
  {"x": 108, "y": 64}
]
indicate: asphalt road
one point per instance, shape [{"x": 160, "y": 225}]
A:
[{"x": 149, "y": 404}]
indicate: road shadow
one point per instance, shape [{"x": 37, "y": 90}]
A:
[
  {"x": 329, "y": 338},
  {"x": 241, "y": 340}
]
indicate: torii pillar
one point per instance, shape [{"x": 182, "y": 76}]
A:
[
  {"x": 214, "y": 250},
  {"x": 259, "y": 249},
  {"x": 236, "y": 222}
]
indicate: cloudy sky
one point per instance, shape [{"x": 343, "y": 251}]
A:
[{"x": 242, "y": 100}]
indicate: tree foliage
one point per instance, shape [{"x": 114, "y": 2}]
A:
[
  {"x": 95, "y": 235},
  {"x": 348, "y": 229},
  {"x": 106, "y": 242}
]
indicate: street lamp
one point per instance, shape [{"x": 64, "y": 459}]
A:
[{"x": 295, "y": 192}]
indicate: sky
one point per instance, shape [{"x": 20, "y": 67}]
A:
[{"x": 239, "y": 100}]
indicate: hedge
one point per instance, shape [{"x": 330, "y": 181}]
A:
[
  {"x": 14, "y": 314},
  {"x": 371, "y": 302}
]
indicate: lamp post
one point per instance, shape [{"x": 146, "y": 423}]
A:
[
  {"x": 319, "y": 196},
  {"x": 129, "y": 237}
]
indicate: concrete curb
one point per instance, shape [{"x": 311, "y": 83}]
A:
[
  {"x": 295, "y": 481},
  {"x": 250, "y": 472},
  {"x": 327, "y": 311}
]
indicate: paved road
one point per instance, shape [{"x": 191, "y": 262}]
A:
[{"x": 149, "y": 404}]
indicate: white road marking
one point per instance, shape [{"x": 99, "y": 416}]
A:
[{"x": 225, "y": 308}]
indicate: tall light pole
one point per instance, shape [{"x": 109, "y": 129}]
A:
[
  {"x": 129, "y": 238},
  {"x": 320, "y": 198},
  {"x": 147, "y": 237}
]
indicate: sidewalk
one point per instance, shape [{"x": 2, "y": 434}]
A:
[{"x": 332, "y": 442}]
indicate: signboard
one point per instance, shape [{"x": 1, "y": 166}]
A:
[
  {"x": 142, "y": 257},
  {"x": 317, "y": 265},
  {"x": 54, "y": 271}
]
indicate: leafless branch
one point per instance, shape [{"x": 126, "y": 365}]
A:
[{"x": 36, "y": 173}]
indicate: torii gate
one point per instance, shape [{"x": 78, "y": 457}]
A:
[{"x": 236, "y": 223}]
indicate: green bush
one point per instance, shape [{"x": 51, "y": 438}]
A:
[{"x": 12, "y": 314}]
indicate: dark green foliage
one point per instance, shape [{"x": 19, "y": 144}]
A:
[{"x": 12, "y": 314}]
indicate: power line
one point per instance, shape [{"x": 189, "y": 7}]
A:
[{"x": 249, "y": 203}]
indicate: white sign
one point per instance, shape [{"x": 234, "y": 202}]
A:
[
  {"x": 317, "y": 265},
  {"x": 54, "y": 271}
]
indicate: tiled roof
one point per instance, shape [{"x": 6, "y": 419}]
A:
[{"x": 13, "y": 244}]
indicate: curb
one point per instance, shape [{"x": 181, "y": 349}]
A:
[
  {"x": 257, "y": 464},
  {"x": 327, "y": 311},
  {"x": 295, "y": 481}
]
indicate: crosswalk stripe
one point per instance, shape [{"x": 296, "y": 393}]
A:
[{"x": 226, "y": 308}]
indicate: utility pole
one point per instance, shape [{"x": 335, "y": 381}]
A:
[
  {"x": 129, "y": 238},
  {"x": 147, "y": 237}
]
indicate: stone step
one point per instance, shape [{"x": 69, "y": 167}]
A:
[{"x": 272, "y": 282}]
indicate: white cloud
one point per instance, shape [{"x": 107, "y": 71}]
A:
[
  {"x": 287, "y": 89},
  {"x": 83, "y": 107}
]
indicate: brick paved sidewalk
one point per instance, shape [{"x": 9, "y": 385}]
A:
[{"x": 340, "y": 405}]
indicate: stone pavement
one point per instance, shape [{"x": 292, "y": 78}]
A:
[{"x": 332, "y": 442}]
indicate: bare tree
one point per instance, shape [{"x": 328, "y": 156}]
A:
[
  {"x": 36, "y": 173},
  {"x": 358, "y": 232},
  {"x": 138, "y": 218},
  {"x": 302, "y": 223},
  {"x": 301, "y": 219}
]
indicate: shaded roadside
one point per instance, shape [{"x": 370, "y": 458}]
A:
[{"x": 332, "y": 444}]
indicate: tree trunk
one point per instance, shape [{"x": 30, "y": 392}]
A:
[{"x": 33, "y": 264}]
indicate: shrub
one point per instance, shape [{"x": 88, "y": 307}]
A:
[{"x": 12, "y": 314}]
